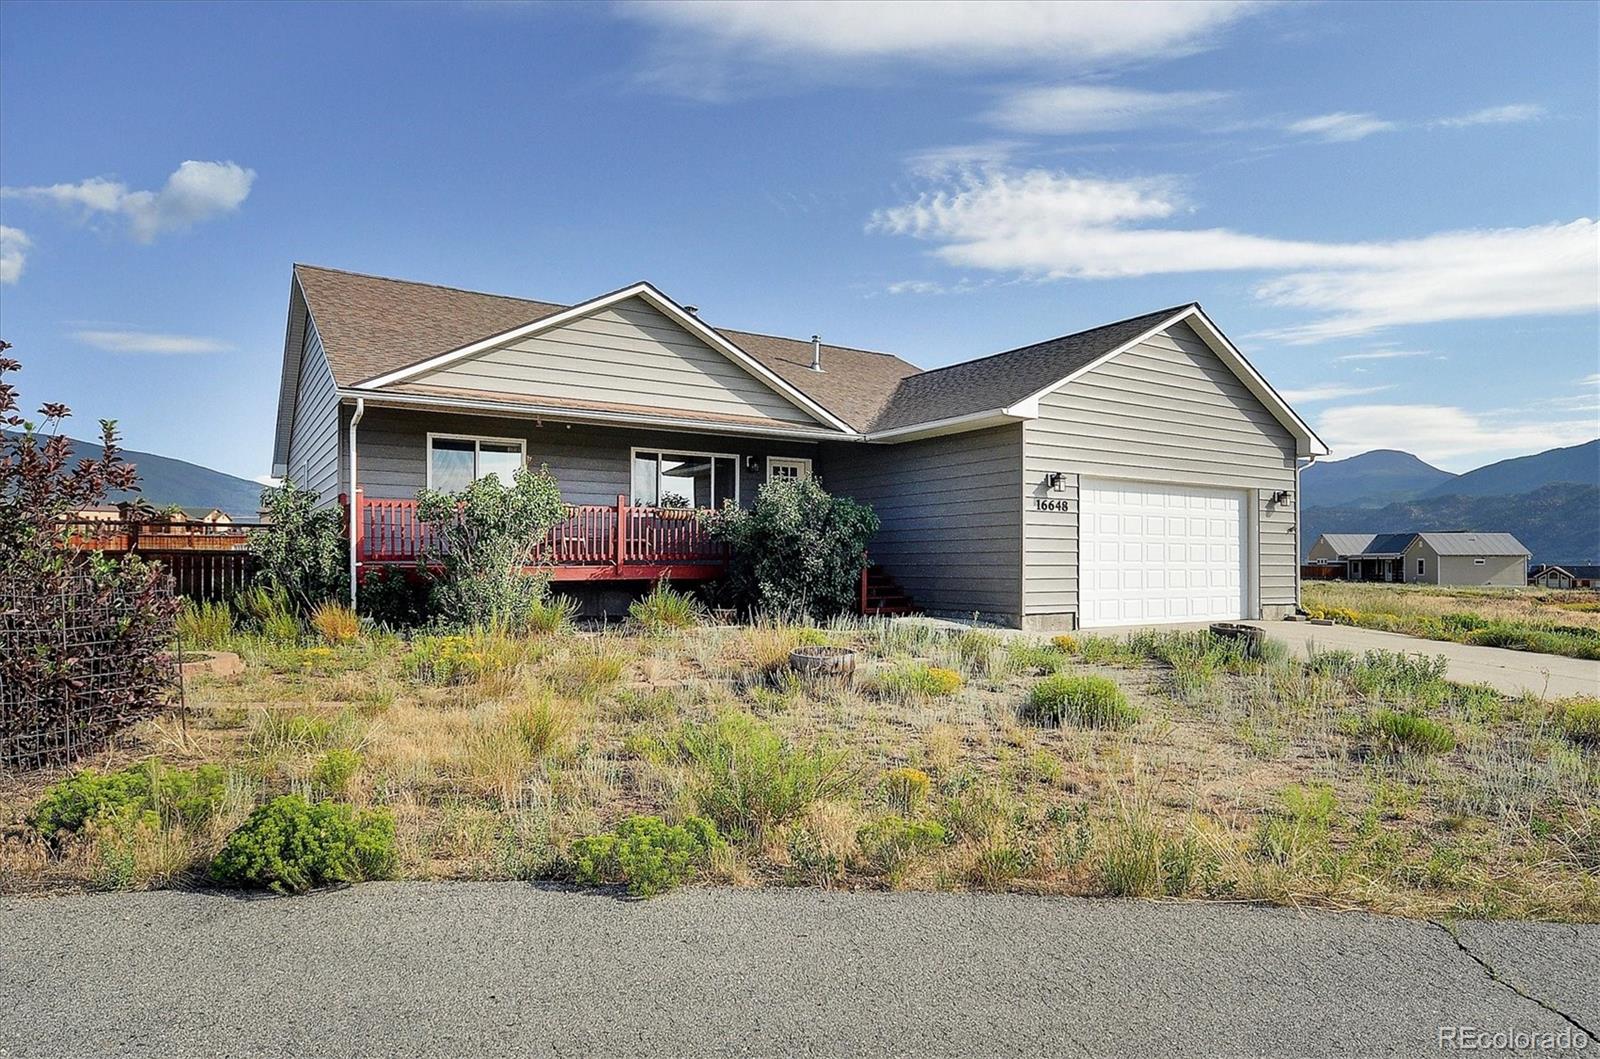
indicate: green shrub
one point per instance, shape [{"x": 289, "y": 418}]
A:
[
  {"x": 271, "y": 613},
  {"x": 645, "y": 853},
  {"x": 392, "y": 598},
  {"x": 204, "y": 625},
  {"x": 917, "y": 682},
  {"x": 1400, "y": 732},
  {"x": 336, "y": 623},
  {"x": 664, "y": 610},
  {"x": 553, "y": 616},
  {"x": 905, "y": 789},
  {"x": 1298, "y": 834},
  {"x": 1035, "y": 658},
  {"x": 461, "y": 658},
  {"x": 301, "y": 552},
  {"x": 974, "y": 649},
  {"x": 335, "y": 770},
  {"x": 482, "y": 541},
  {"x": 1084, "y": 701},
  {"x": 188, "y": 796},
  {"x": 890, "y": 844},
  {"x": 1580, "y": 720},
  {"x": 749, "y": 780},
  {"x": 798, "y": 551},
  {"x": 290, "y": 845}
]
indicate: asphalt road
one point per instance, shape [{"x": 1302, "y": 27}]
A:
[{"x": 509, "y": 969}]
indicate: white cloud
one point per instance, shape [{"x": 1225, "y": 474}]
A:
[
  {"x": 1385, "y": 354},
  {"x": 1509, "y": 114},
  {"x": 194, "y": 192},
  {"x": 937, "y": 162},
  {"x": 14, "y": 244},
  {"x": 1065, "y": 109},
  {"x": 1046, "y": 224},
  {"x": 1447, "y": 436},
  {"x": 149, "y": 342},
  {"x": 1331, "y": 392},
  {"x": 1341, "y": 127}
]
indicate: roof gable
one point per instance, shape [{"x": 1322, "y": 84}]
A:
[{"x": 1348, "y": 543}]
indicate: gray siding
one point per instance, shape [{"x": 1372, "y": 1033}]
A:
[
  {"x": 628, "y": 353},
  {"x": 1167, "y": 410},
  {"x": 951, "y": 513},
  {"x": 591, "y": 463},
  {"x": 314, "y": 436},
  {"x": 1507, "y": 570}
]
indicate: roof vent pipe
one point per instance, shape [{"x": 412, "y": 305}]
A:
[
  {"x": 692, "y": 310},
  {"x": 816, "y": 352}
]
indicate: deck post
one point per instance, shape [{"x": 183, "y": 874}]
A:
[{"x": 622, "y": 530}]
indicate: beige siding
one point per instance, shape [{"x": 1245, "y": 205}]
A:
[
  {"x": 314, "y": 435},
  {"x": 591, "y": 463},
  {"x": 1465, "y": 569},
  {"x": 951, "y": 515},
  {"x": 627, "y": 353},
  {"x": 1167, "y": 410}
]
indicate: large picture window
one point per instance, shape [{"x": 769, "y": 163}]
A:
[
  {"x": 684, "y": 479},
  {"x": 455, "y": 461}
]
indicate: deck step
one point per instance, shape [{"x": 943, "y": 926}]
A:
[{"x": 883, "y": 597}]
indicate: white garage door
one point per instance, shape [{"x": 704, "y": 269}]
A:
[{"x": 1160, "y": 553}]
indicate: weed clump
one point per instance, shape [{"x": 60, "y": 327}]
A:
[
  {"x": 917, "y": 682},
  {"x": 1580, "y": 720},
  {"x": 646, "y": 854},
  {"x": 204, "y": 625},
  {"x": 168, "y": 795},
  {"x": 1084, "y": 701},
  {"x": 1399, "y": 732},
  {"x": 291, "y": 845},
  {"x": 554, "y": 616},
  {"x": 336, "y": 623},
  {"x": 905, "y": 789},
  {"x": 664, "y": 610}
]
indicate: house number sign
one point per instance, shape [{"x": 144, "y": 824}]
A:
[{"x": 1050, "y": 503}]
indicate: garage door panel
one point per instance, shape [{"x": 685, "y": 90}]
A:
[{"x": 1158, "y": 553}]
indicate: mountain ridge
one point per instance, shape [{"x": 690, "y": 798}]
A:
[{"x": 166, "y": 480}]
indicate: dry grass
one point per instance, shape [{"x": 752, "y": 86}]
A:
[{"x": 1268, "y": 780}]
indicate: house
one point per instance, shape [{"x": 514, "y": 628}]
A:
[
  {"x": 1141, "y": 471},
  {"x": 1428, "y": 558},
  {"x": 1565, "y": 575}
]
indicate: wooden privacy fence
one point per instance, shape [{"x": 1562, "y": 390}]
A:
[{"x": 206, "y": 561}]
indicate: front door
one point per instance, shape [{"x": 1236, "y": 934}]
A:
[{"x": 782, "y": 467}]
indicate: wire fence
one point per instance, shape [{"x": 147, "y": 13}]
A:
[{"x": 79, "y": 661}]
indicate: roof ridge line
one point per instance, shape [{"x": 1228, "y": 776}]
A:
[{"x": 435, "y": 286}]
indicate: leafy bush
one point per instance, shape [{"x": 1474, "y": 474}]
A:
[
  {"x": 1085, "y": 701},
  {"x": 204, "y": 625},
  {"x": 905, "y": 789},
  {"x": 85, "y": 648},
  {"x": 664, "y": 610},
  {"x": 750, "y": 780},
  {"x": 390, "y": 597},
  {"x": 482, "y": 542},
  {"x": 336, "y": 623},
  {"x": 916, "y": 682},
  {"x": 190, "y": 796},
  {"x": 646, "y": 853},
  {"x": 553, "y": 616},
  {"x": 1402, "y": 732},
  {"x": 799, "y": 551},
  {"x": 891, "y": 843},
  {"x": 290, "y": 845},
  {"x": 301, "y": 552},
  {"x": 1580, "y": 720}
]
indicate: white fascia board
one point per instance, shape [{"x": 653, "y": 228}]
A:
[
  {"x": 954, "y": 425},
  {"x": 1307, "y": 442},
  {"x": 645, "y": 291},
  {"x": 598, "y": 417}
]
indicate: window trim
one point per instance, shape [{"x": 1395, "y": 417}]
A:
[
  {"x": 477, "y": 439},
  {"x": 633, "y": 454},
  {"x": 806, "y": 460},
  {"x": 1422, "y": 566}
]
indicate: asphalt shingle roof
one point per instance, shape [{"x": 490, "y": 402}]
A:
[
  {"x": 371, "y": 325},
  {"x": 1463, "y": 543},
  {"x": 1348, "y": 543}
]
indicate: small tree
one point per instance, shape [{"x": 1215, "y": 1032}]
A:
[
  {"x": 302, "y": 552},
  {"x": 799, "y": 551},
  {"x": 84, "y": 641},
  {"x": 483, "y": 541}
]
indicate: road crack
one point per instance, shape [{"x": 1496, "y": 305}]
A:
[{"x": 1495, "y": 976}]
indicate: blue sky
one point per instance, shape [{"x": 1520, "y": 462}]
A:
[{"x": 1389, "y": 207}]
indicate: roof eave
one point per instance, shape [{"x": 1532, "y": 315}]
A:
[{"x": 941, "y": 427}]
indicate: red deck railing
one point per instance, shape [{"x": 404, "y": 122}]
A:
[{"x": 594, "y": 541}]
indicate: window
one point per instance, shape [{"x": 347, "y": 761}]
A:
[
  {"x": 684, "y": 479},
  {"x": 455, "y": 462},
  {"x": 1422, "y": 567},
  {"x": 787, "y": 467},
  {"x": 1477, "y": 562}
]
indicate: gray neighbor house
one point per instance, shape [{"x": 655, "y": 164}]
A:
[
  {"x": 1456, "y": 558},
  {"x": 1139, "y": 472}
]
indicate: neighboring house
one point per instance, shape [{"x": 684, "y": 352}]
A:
[
  {"x": 1138, "y": 472},
  {"x": 1426, "y": 558},
  {"x": 1566, "y": 575}
]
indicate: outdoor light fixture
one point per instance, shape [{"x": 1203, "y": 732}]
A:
[
  {"x": 1281, "y": 496},
  {"x": 1053, "y": 480},
  {"x": 752, "y": 464}
]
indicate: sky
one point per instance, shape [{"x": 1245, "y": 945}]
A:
[{"x": 1390, "y": 208}]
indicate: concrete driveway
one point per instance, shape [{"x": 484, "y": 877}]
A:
[{"x": 510, "y": 969}]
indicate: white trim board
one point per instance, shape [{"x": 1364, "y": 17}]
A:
[{"x": 647, "y": 293}]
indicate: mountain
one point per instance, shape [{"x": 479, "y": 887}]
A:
[
  {"x": 164, "y": 481},
  {"x": 1577, "y": 463},
  {"x": 1371, "y": 479},
  {"x": 1559, "y": 522}
]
